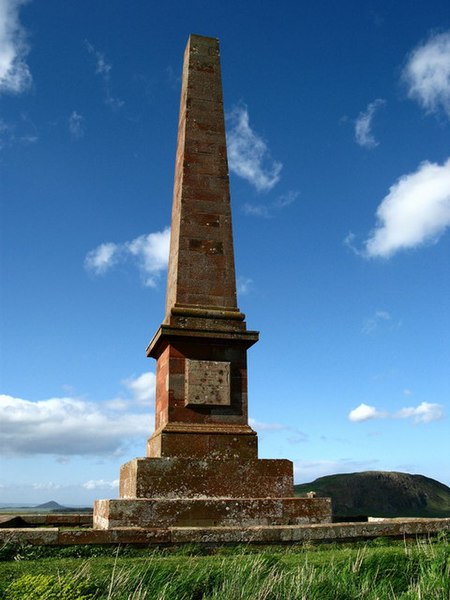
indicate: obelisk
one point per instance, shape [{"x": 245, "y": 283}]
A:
[
  {"x": 201, "y": 390},
  {"x": 202, "y": 467}
]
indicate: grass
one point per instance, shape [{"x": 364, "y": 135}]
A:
[{"x": 379, "y": 570}]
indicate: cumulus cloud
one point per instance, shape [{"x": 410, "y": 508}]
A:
[
  {"x": 415, "y": 211},
  {"x": 364, "y": 412},
  {"x": 76, "y": 125},
  {"x": 248, "y": 154},
  {"x": 425, "y": 412},
  {"x": 103, "y": 70},
  {"x": 363, "y": 125},
  {"x": 66, "y": 426},
  {"x": 150, "y": 253},
  {"x": 15, "y": 75},
  {"x": 427, "y": 74},
  {"x": 143, "y": 388},
  {"x": 102, "y": 258}
]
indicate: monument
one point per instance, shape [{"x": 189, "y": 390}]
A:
[{"x": 202, "y": 467}]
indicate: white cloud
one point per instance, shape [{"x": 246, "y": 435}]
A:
[
  {"x": 143, "y": 388},
  {"x": 415, "y": 211},
  {"x": 363, "y": 125},
  {"x": 100, "y": 484},
  {"x": 77, "y": 125},
  {"x": 102, "y": 258},
  {"x": 426, "y": 412},
  {"x": 15, "y": 75},
  {"x": 67, "y": 426},
  {"x": 248, "y": 154},
  {"x": 103, "y": 69},
  {"x": 150, "y": 252},
  {"x": 364, "y": 412},
  {"x": 427, "y": 74}
]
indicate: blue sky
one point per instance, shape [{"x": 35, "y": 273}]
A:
[{"x": 338, "y": 123}]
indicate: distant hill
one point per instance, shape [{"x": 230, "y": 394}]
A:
[
  {"x": 382, "y": 494},
  {"x": 52, "y": 505}
]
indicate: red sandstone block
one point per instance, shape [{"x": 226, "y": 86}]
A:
[
  {"x": 181, "y": 477},
  {"x": 35, "y": 536},
  {"x": 149, "y": 513},
  {"x": 201, "y": 445},
  {"x": 71, "y": 537}
]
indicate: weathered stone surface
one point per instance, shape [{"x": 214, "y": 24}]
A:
[
  {"x": 36, "y": 536},
  {"x": 201, "y": 264},
  {"x": 210, "y": 512},
  {"x": 211, "y": 442},
  {"x": 207, "y": 382},
  {"x": 195, "y": 478},
  {"x": 281, "y": 534},
  {"x": 72, "y": 537}
]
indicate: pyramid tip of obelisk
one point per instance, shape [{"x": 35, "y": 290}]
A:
[{"x": 197, "y": 36}]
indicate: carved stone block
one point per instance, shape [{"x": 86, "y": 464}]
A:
[{"x": 207, "y": 382}]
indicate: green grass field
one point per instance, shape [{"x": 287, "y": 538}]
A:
[{"x": 374, "y": 570}]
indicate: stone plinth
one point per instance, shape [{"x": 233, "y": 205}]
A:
[
  {"x": 210, "y": 512},
  {"x": 175, "y": 477}
]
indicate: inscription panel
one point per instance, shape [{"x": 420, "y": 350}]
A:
[{"x": 207, "y": 382}]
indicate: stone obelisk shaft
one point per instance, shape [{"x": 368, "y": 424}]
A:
[
  {"x": 201, "y": 277},
  {"x": 201, "y": 346}
]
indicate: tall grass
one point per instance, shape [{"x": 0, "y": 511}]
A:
[{"x": 412, "y": 571}]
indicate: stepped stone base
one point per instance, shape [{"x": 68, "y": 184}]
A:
[
  {"x": 177, "y": 477},
  {"x": 176, "y": 491},
  {"x": 210, "y": 512}
]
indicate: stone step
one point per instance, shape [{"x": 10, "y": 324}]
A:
[
  {"x": 210, "y": 512},
  {"x": 177, "y": 477}
]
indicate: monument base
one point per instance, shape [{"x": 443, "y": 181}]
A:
[
  {"x": 150, "y": 513},
  {"x": 176, "y": 477},
  {"x": 166, "y": 492}
]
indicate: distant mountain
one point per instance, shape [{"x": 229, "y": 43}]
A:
[
  {"x": 382, "y": 494},
  {"x": 52, "y": 505}
]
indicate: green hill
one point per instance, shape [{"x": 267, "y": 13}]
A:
[{"x": 382, "y": 494}]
